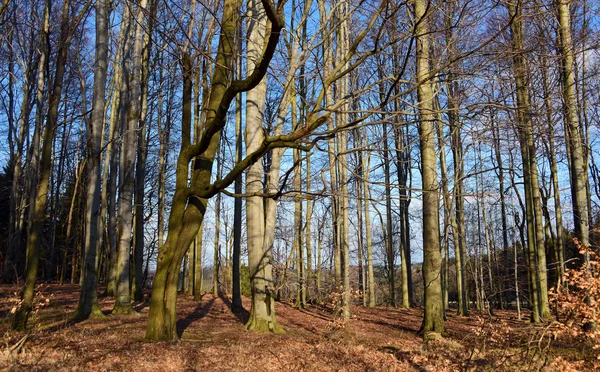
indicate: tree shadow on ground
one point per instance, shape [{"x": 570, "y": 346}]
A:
[
  {"x": 242, "y": 315},
  {"x": 391, "y": 325},
  {"x": 199, "y": 312},
  {"x": 400, "y": 355}
]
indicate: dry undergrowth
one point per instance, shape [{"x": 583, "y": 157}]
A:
[{"x": 212, "y": 338}]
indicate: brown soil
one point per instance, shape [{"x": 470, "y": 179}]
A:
[{"x": 212, "y": 338}]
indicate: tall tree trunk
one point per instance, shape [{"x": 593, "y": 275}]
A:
[
  {"x": 445, "y": 235},
  {"x": 16, "y": 203},
  {"x": 433, "y": 320},
  {"x": 359, "y": 215},
  {"x": 503, "y": 212},
  {"x": 342, "y": 118},
  {"x": 298, "y": 246},
  {"x": 573, "y": 130},
  {"x": 236, "y": 299},
  {"x": 536, "y": 246},
  {"x": 112, "y": 153},
  {"x": 88, "y": 300},
  {"x": 189, "y": 202},
  {"x": 457, "y": 221},
  {"x": 262, "y": 311},
  {"x": 216, "y": 242},
  {"x": 38, "y": 208},
  {"x": 389, "y": 248},
  {"x": 327, "y": 67},
  {"x": 403, "y": 170},
  {"x": 559, "y": 243},
  {"x": 308, "y": 234},
  {"x": 369, "y": 243},
  {"x": 131, "y": 123},
  {"x": 142, "y": 154}
]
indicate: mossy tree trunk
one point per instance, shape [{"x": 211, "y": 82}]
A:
[{"x": 189, "y": 202}]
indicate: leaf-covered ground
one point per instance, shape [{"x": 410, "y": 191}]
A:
[{"x": 212, "y": 338}]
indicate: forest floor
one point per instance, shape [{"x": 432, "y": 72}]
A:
[{"x": 212, "y": 338}]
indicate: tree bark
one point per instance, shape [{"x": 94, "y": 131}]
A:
[
  {"x": 142, "y": 154},
  {"x": 130, "y": 123},
  {"x": 433, "y": 320},
  {"x": 536, "y": 246},
  {"x": 88, "y": 300},
  {"x": 262, "y": 311},
  {"x": 40, "y": 194},
  {"x": 573, "y": 130}
]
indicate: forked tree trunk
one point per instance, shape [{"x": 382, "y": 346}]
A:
[
  {"x": 187, "y": 212},
  {"x": 262, "y": 311}
]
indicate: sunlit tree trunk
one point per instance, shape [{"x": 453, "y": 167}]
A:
[
  {"x": 327, "y": 67},
  {"x": 342, "y": 118},
  {"x": 298, "y": 231},
  {"x": 536, "y": 246},
  {"x": 262, "y": 311},
  {"x": 433, "y": 320},
  {"x": 573, "y": 130}
]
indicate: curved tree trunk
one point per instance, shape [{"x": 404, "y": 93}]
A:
[{"x": 189, "y": 203}]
